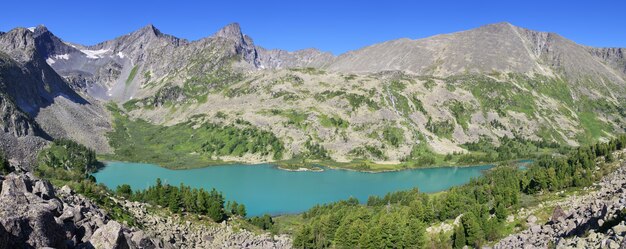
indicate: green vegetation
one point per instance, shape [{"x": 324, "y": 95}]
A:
[
  {"x": 309, "y": 70},
  {"x": 556, "y": 88},
  {"x": 495, "y": 95},
  {"x": 429, "y": 82},
  {"x": 184, "y": 199},
  {"x": 198, "y": 87},
  {"x": 460, "y": 112},
  {"x": 131, "y": 76},
  {"x": 509, "y": 149},
  {"x": 66, "y": 160},
  {"x": 419, "y": 106},
  {"x": 294, "y": 117},
  {"x": 188, "y": 144},
  {"x": 442, "y": 128},
  {"x": 397, "y": 220},
  {"x": 131, "y": 105},
  {"x": 264, "y": 222},
  {"x": 333, "y": 122},
  {"x": 355, "y": 100},
  {"x": 194, "y": 90},
  {"x": 421, "y": 155},
  {"x": 393, "y": 135},
  {"x": 367, "y": 151},
  {"x": 346, "y": 224},
  {"x": 315, "y": 151},
  {"x": 594, "y": 128},
  {"x": 401, "y": 103},
  {"x": 5, "y": 167}
]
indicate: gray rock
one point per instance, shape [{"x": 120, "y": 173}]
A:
[
  {"x": 619, "y": 230},
  {"x": 26, "y": 220},
  {"x": 558, "y": 215},
  {"x": 531, "y": 219},
  {"x": 66, "y": 190},
  {"x": 613, "y": 244},
  {"x": 44, "y": 190},
  {"x": 109, "y": 236},
  {"x": 142, "y": 241}
]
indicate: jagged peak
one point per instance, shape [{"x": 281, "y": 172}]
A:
[
  {"x": 20, "y": 30},
  {"x": 230, "y": 31},
  {"x": 148, "y": 30},
  {"x": 41, "y": 29}
]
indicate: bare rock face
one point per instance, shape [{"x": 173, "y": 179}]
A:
[
  {"x": 36, "y": 102},
  {"x": 33, "y": 216},
  {"x": 27, "y": 220}
]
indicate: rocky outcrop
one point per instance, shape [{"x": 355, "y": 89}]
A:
[
  {"x": 35, "y": 215},
  {"x": 595, "y": 220},
  {"x": 184, "y": 234},
  {"x": 36, "y": 102},
  {"x": 32, "y": 215}
]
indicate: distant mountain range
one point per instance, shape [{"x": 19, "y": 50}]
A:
[{"x": 381, "y": 102}]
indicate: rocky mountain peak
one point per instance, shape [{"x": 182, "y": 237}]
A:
[
  {"x": 40, "y": 29},
  {"x": 148, "y": 30},
  {"x": 48, "y": 44},
  {"x": 499, "y": 25},
  {"x": 230, "y": 31},
  {"x": 19, "y": 44}
]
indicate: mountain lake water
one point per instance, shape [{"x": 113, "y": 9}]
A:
[{"x": 264, "y": 188}]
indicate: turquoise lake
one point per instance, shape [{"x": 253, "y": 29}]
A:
[{"x": 265, "y": 189}]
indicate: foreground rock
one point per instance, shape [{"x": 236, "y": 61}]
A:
[
  {"x": 34, "y": 215},
  {"x": 185, "y": 234},
  {"x": 595, "y": 220}
]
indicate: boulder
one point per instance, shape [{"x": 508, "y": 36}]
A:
[
  {"x": 531, "y": 219},
  {"x": 619, "y": 230},
  {"x": 26, "y": 219},
  {"x": 110, "y": 236},
  {"x": 140, "y": 239},
  {"x": 66, "y": 190},
  {"x": 44, "y": 189},
  {"x": 558, "y": 215}
]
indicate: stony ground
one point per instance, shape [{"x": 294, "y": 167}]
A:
[
  {"x": 594, "y": 220},
  {"x": 184, "y": 234},
  {"x": 35, "y": 215}
]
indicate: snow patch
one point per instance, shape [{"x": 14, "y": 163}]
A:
[
  {"x": 69, "y": 44},
  {"x": 62, "y": 56},
  {"x": 50, "y": 61},
  {"x": 31, "y": 29},
  {"x": 121, "y": 55},
  {"x": 95, "y": 54}
]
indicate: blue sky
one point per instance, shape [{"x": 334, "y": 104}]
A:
[{"x": 335, "y": 26}]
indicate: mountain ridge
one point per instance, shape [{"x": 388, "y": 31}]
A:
[{"x": 390, "y": 102}]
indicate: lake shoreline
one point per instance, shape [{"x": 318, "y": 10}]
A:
[
  {"x": 268, "y": 189},
  {"x": 319, "y": 167}
]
